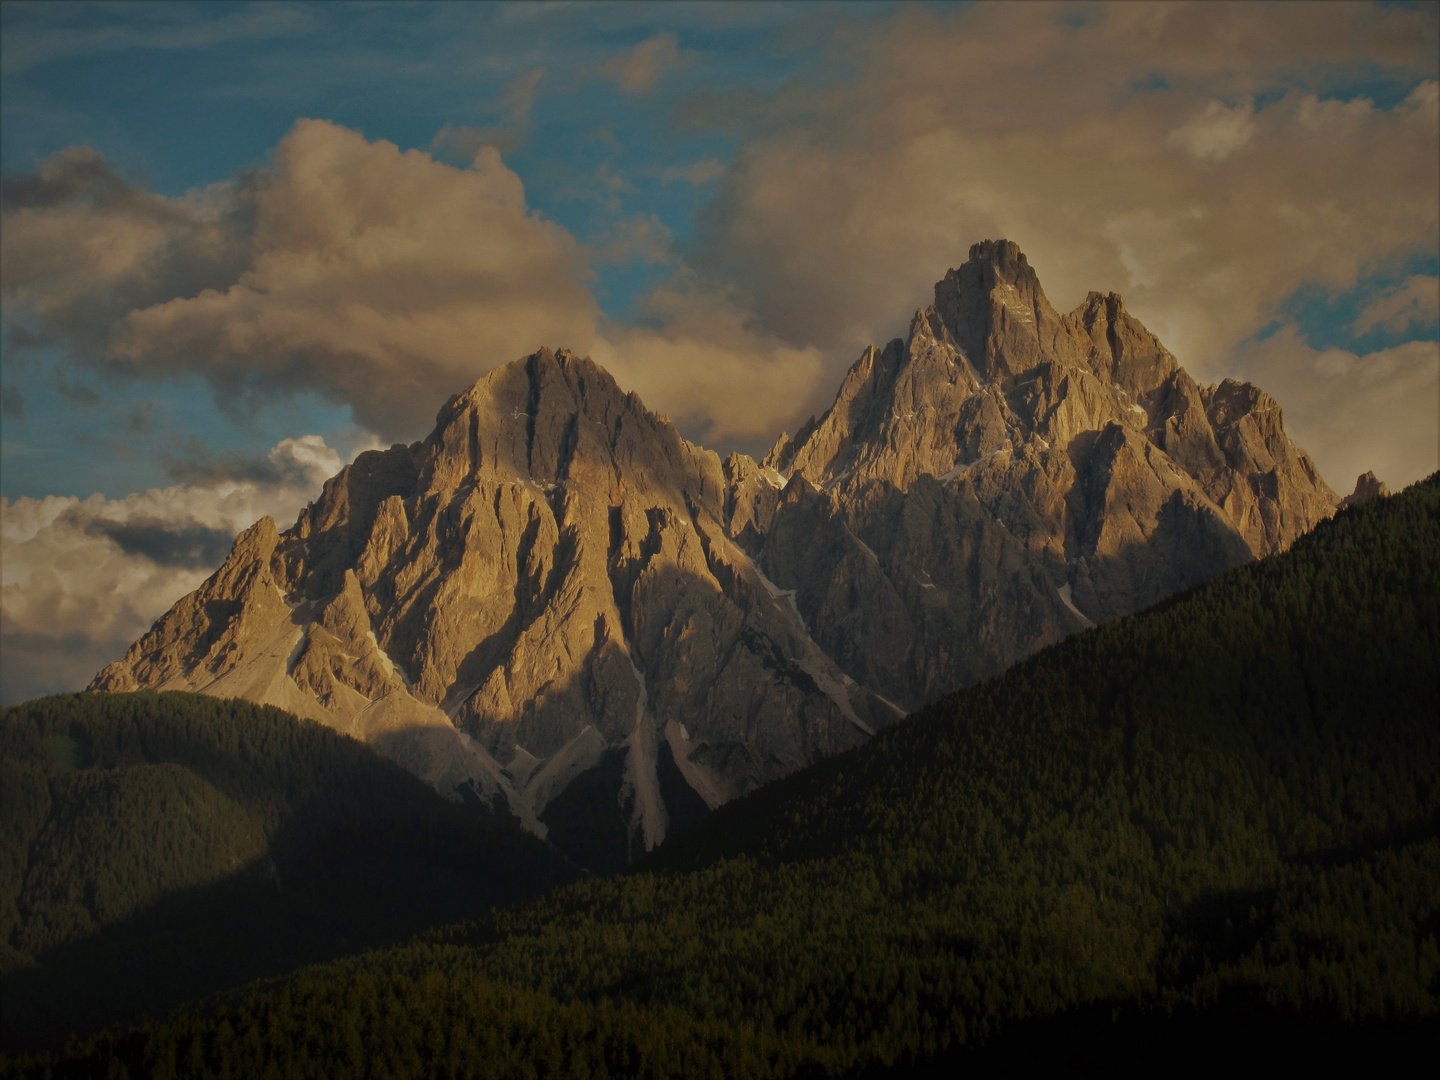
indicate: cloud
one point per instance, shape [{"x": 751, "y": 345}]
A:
[
  {"x": 83, "y": 578},
  {"x": 695, "y": 173},
  {"x": 141, "y": 420},
  {"x": 1415, "y": 302},
  {"x": 382, "y": 279},
  {"x": 640, "y": 236},
  {"x": 75, "y": 394},
  {"x": 83, "y": 246},
  {"x": 1203, "y": 160},
  {"x": 704, "y": 363},
  {"x": 385, "y": 280},
  {"x": 1197, "y": 158},
  {"x": 1353, "y": 413},
  {"x": 519, "y": 96},
  {"x": 301, "y": 463},
  {"x": 164, "y": 543},
  {"x": 1007, "y": 121},
  {"x": 12, "y": 403},
  {"x": 639, "y": 70},
  {"x": 156, "y": 26},
  {"x": 464, "y": 142},
  {"x": 1217, "y": 132}
]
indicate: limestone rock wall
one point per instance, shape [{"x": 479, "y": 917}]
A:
[{"x": 558, "y": 605}]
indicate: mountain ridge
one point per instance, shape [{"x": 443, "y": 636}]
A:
[
  {"x": 1214, "y": 820},
  {"x": 555, "y": 574}
]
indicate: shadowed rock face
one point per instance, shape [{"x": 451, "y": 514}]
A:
[
  {"x": 555, "y": 599},
  {"x": 1006, "y": 475},
  {"x": 545, "y": 579}
]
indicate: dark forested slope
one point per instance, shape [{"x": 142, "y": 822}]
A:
[
  {"x": 1231, "y": 798},
  {"x": 160, "y": 847}
]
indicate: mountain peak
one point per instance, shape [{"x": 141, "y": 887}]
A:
[
  {"x": 999, "y": 262},
  {"x": 991, "y": 365},
  {"x": 557, "y": 602}
]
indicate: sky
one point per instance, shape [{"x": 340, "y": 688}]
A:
[{"x": 243, "y": 242}]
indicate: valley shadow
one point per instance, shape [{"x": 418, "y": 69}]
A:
[
  {"x": 1188, "y": 547},
  {"x": 317, "y": 895},
  {"x": 1239, "y": 1030},
  {"x": 1369, "y": 845}
]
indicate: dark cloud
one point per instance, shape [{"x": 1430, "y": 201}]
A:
[
  {"x": 35, "y": 663},
  {"x": 194, "y": 463},
  {"x": 84, "y": 245},
  {"x": 75, "y": 394},
  {"x": 102, "y": 570},
  {"x": 12, "y": 403},
  {"x": 19, "y": 336},
  {"x": 380, "y": 279},
  {"x": 165, "y": 543},
  {"x": 79, "y": 174},
  {"x": 141, "y": 420}
]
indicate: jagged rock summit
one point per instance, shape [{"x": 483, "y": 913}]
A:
[
  {"x": 557, "y": 604},
  {"x": 1367, "y": 486}
]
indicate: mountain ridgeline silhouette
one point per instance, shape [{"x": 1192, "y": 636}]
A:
[
  {"x": 557, "y": 603},
  {"x": 1221, "y": 810},
  {"x": 158, "y": 848}
]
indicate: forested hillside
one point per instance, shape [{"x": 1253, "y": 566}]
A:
[
  {"x": 159, "y": 847},
  {"x": 1229, "y": 801}
]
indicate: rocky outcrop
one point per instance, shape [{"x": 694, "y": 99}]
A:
[
  {"x": 557, "y": 604},
  {"x": 1005, "y": 475},
  {"x": 548, "y": 578},
  {"x": 1367, "y": 486}
]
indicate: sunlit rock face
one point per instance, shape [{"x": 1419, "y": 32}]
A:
[
  {"x": 558, "y": 605},
  {"x": 543, "y": 589},
  {"x": 1006, "y": 475}
]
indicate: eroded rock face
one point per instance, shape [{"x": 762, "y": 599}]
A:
[
  {"x": 547, "y": 578},
  {"x": 1006, "y": 475},
  {"x": 559, "y": 605},
  {"x": 1367, "y": 486}
]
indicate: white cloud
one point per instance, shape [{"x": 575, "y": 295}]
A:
[
  {"x": 706, "y": 365},
  {"x": 1217, "y": 132},
  {"x": 639, "y": 70},
  {"x": 82, "y": 578},
  {"x": 1355, "y": 413},
  {"x": 855, "y": 195},
  {"x": 387, "y": 280},
  {"x": 1414, "y": 302},
  {"x": 383, "y": 279}
]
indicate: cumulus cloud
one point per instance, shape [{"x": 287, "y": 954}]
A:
[
  {"x": 639, "y": 70},
  {"x": 1217, "y": 132},
  {"x": 382, "y": 279},
  {"x": 84, "y": 578},
  {"x": 1354, "y": 413},
  {"x": 1189, "y": 157},
  {"x": 704, "y": 363},
  {"x": 301, "y": 464},
  {"x": 1415, "y": 302},
  {"x": 385, "y": 280},
  {"x": 83, "y": 246}
]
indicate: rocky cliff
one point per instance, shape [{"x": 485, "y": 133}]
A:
[
  {"x": 1005, "y": 475},
  {"x": 557, "y": 604}
]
